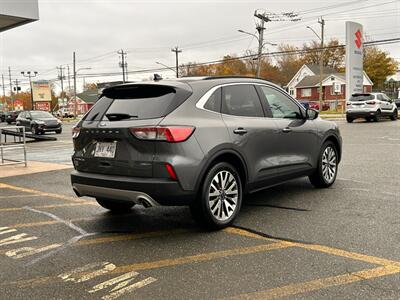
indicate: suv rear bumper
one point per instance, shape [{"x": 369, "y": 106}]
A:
[
  {"x": 360, "y": 114},
  {"x": 146, "y": 191}
]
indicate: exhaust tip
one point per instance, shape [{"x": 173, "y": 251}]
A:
[{"x": 76, "y": 192}]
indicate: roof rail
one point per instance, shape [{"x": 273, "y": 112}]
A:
[{"x": 231, "y": 76}]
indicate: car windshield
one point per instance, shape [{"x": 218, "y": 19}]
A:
[
  {"x": 40, "y": 114},
  {"x": 362, "y": 97}
]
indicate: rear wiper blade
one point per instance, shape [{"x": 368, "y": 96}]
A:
[{"x": 120, "y": 116}]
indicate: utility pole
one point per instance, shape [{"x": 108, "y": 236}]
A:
[
  {"x": 4, "y": 91},
  {"x": 29, "y": 75},
  {"x": 123, "y": 64},
  {"x": 321, "y": 63},
  {"x": 74, "y": 71},
  {"x": 69, "y": 81},
  {"x": 177, "y": 51},
  {"x": 11, "y": 92},
  {"x": 61, "y": 77}
]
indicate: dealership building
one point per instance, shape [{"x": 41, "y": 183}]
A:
[{"x": 14, "y": 13}]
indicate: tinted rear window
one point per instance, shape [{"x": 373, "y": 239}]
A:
[
  {"x": 143, "y": 102},
  {"x": 363, "y": 97},
  {"x": 97, "y": 111}
]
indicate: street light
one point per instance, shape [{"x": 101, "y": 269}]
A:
[
  {"x": 321, "y": 59},
  {"x": 261, "y": 45},
  {"x": 161, "y": 64},
  {"x": 29, "y": 75},
  {"x": 75, "y": 73}
]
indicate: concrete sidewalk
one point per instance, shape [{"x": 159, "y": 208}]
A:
[{"x": 31, "y": 168}]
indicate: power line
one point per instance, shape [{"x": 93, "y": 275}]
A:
[{"x": 269, "y": 54}]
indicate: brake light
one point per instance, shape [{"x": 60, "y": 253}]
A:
[
  {"x": 171, "y": 171},
  {"x": 172, "y": 134},
  {"x": 371, "y": 102},
  {"x": 75, "y": 132},
  {"x": 348, "y": 103}
]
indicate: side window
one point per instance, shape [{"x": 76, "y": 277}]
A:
[
  {"x": 281, "y": 106},
  {"x": 22, "y": 115},
  {"x": 241, "y": 100},
  {"x": 386, "y": 98},
  {"x": 214, "y": 102},
  {"x": 379, "y": 97}
]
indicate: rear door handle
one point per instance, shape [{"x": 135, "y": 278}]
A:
[
  {"x": 287, "y": 130},
  {"x": 240, "y": 130}
]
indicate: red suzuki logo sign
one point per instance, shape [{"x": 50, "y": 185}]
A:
[{"x": 358, "y": 39}]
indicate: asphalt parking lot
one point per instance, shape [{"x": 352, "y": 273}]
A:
[{"x": 290, "y": 241}]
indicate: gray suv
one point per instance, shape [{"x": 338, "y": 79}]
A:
[{"x": 203, "y": 142}]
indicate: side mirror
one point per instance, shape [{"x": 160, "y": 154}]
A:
[{"x": 311, "y": 114}]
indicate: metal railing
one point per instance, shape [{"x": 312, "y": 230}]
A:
[{"x": 17, "y": 143}]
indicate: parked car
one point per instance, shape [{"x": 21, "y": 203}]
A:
[
  {"x": 39, "y": 122},
  {"x": 65, "y": 113},
  {"x": 315, "y": 105},
  {"x": 11, "y": 116},
  {"x": 370, "y": 106},
  {"x": 397, "y": 102},
  {"x": 203, "y": 142},
  {"x": 2, "y": 116}
]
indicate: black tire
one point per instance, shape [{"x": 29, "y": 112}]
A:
[
  {"x": 394, "y": 116},
  {"x": 377, "y": 116},
  {"x": 368, "y": 119},
  {"x": 201, "y": 209},
  {"x": 115, "y": 206},
  {"x": 34, "y": 130},
  {"x": 318, "y": 179},
  {"x": 59, "y": 131},
  {"x": 349, "y": 119}
]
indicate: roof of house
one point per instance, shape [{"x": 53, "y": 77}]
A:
[
  {"x": 314, "y": 80},
  {"x": 89, "y": 96},
  {"x": 325, "y": 70}
]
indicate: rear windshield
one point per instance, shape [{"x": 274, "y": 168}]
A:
[
  {"x": 362, "y": 97},
  {"x": 136, "y": 102},
  {"x": 40, "y": 114}
]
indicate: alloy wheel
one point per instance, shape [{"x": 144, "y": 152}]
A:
[
  {"x": 223, "y": 195},
  {"x": 329, "y": 164}
]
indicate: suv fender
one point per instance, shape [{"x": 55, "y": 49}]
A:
[{"x": 228, "y": 155}]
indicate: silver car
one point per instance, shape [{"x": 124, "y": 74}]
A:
[
  {"x": 201, "y": 142},
  {"x": 370, "y": 106}
]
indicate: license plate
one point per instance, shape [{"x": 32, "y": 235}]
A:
[{"x": 105, "y": 150}]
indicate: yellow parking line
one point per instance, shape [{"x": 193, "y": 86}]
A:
[
  {"x": 199, "y": 257},
  {"x": 34, "y": 224},
  {"x": 12, "y": 209},
  {"x": 39, "y": 193},
  {"x": 165, "y": 262},
  {"x": 320, "y": 248},
  {"x": 313, "y": 285},
  {"x": 129, "y": 237},
  {"x": 18, "y": 196}
]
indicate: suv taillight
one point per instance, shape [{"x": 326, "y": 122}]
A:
[
  {"x": 75, "y": 132},
  {"x": 371, "y": 102},
  {"x": 172, "y": 134}
]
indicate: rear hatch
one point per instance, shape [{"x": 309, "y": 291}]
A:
[
  {"x": 103, "y": 140},
  {"x": 360, "y": 101}
]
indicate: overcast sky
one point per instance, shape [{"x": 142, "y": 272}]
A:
[{"x": 205, "y": 30}]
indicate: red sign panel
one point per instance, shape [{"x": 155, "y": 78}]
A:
[
  {"x": 42, "y": 106},
  {"x": 358, "y": 39}
]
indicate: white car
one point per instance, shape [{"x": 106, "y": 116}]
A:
[{"x": 370, "y": 106}]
